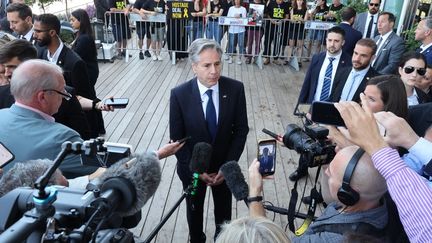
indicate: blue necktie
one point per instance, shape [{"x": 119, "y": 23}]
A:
[
  {"x": 211, "y": 115},
  {"x": 327, "y": 80}
]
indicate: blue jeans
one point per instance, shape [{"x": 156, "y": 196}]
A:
[
  {"x": 214, "y": 31},
  {"x": 240, "y": 41},
  {"x": 197, "y": 29}
]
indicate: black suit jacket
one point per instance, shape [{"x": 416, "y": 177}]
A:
[
  {"x": 420, "y": 118},
  {"x": 187, "y": 119},
  {"x": 340, "y": 81},
  {"x": 351, "y": 38},
  {"x": 74, "y": 72},
  {"x": 310, "y": 82},
  {"x": 85, "y": 47}
]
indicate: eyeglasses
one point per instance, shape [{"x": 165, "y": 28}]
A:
[
  {"x": 65, "y": 94},
  {"x": 374, "y": 4},
  {"x": 420, "y": 71}
]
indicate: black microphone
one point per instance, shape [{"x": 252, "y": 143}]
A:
[
  {"x": 199, "y": 163},
  {"x": 129, "y": 183},
  {"x": 235, "y": 180}
]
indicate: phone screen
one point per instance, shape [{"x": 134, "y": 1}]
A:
[
  {"x": 267, "y": 156},
  {"x": 326, "y": 113},
  {"x": 6, "y": 156}
]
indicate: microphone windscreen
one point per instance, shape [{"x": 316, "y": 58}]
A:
[
  {"x": 235, "y": 180},
  {"x": 143, "y": 171},
  {"x": 200, "y": 158}
]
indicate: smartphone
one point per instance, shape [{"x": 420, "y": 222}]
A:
[
  {"x": 184, "y": 139},
  {"x": 267, "y": 156},
  {"x": 6, "y": 156},
  {"x": 326, "y": 113},
  {"x": 117, "y": 103}
]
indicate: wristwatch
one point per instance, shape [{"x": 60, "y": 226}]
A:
[{"x": 254, "y": 199}]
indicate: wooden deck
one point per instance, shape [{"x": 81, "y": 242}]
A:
[{"x": 271, "y": 94}]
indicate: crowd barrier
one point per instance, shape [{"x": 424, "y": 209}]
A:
[{"x": 253, "y": 38}]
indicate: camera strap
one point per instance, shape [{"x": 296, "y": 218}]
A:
[{"x": 311, "y": 209}]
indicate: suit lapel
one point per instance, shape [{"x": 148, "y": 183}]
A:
[{"x": 223, "y": 101}]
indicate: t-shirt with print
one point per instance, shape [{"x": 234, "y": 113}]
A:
[
  {"x": 214, "y": 9},
  {"x": 277, "y": 11},
  {"x": 119, "y": 18},
  {"x": 320, "y": 13}
]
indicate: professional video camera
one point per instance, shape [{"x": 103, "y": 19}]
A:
[
  {"x": 310, "y": 142},
  {"x": 100, "y": 214}
]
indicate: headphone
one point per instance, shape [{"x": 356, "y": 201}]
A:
[{"x": 346, "y": 194}]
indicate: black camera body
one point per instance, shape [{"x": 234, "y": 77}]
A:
[{"x": 311, "y": 142}]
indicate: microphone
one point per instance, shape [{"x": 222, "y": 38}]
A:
[
  {"x": 199, "y": 163},
  {"x": 235, "y": 180},
  {"x": 128, "y": 184}
]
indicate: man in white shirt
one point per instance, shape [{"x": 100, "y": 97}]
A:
[
  {"x": 390, "y": 45},
  {"x": 20, "y": 17},
  {"x": 366, "y": 22},
  {"x": 423, "y": 33}
]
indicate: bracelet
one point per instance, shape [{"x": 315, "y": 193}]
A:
[
  {"x": 254, "y": 199},
  {"x": 94, "y": 102}
]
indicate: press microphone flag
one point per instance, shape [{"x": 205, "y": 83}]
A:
[{"x": 199, "y": 163}]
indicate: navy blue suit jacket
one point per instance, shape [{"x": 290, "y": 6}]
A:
[
  {"x": 187, "y": 119},
  {"x": 351, "y": 38},
  {"x": 428, "y": 54},
  {"x": 310, "y": 82}
]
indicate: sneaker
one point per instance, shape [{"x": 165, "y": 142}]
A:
[
  {"x": 239, "y": 61},
  {"x": 230, "y": 60},
  {"x": 141, "y": 55},
  {"x": 159, "y": 57},
  {"x": 119, "y": 56},
  {"x": 147, "y": 53},
  {"x": 226, "y": 57},
  {"x": 266, "y": 61},
  {"x": 248, "y": 60}
]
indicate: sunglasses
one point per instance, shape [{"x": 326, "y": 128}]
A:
[
  {"x": 420, "y": 71},
  {"x": 374, "y": 4}
]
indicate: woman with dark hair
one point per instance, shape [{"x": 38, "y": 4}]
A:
[
  {"x": 387, "y": 93},
  {"x": 84, "y": 44},
  {"x": 412, "y": 68},
  {"x": 298, "y": 15}
]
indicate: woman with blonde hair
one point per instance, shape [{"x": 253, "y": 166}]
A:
[{"x": 252, "y": 230}]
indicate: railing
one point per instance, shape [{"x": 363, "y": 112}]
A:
[{"x": 246, "y": 39}]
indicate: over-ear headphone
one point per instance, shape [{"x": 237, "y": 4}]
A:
[{"x": 346, "y": 194}]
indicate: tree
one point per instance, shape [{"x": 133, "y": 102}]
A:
[{"x": 42, "y": 3}]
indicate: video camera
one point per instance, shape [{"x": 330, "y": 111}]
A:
[{"x": 97, "y": 152}]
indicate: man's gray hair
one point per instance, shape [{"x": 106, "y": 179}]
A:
[
  {"x": 25, "y": 174},
  {"x": 428, "y": 22},
  {"x": 201, "y": 44},
  {"x": 32, "y": 76}
]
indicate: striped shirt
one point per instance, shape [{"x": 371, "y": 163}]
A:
[{"x": 410, "y": 192}]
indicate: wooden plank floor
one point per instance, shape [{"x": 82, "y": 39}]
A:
[{"x": 271, "y": 94}]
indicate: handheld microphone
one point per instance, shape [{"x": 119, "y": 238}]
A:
[
  {"x": 235, "y": 180},
  {"x": 129, "y": 183},
  {"x": 199, "y": 163}
]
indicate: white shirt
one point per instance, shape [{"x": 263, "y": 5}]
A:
[
  {"x": 29, "y": 35},
  {"x": 54, "y": 57},
  {"x": 413, "y": 99},
  {"x": 368, "y": 18},
  {"x": 322, "y": 74},
  {"x": 351, "y": 85},
  {"x": 232, "y": 12},
  {"x": 204, "y": 97}
]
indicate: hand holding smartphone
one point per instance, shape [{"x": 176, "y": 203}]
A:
[
  {"x": 267, "y": 156},
  {"x": 326, "y": 113}
]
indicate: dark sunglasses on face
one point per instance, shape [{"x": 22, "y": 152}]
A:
[
  {"x": 374, "y": 4},
  {"x": 420, "y": 71}
]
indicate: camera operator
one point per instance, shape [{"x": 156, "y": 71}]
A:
[
  {"x": 408, "y": 190},
  {"x": 368, "y": 215}
]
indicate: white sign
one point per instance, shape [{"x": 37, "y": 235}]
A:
[
  {"x": 319, "y": 25},
  {"x": 233, "y": 21}
]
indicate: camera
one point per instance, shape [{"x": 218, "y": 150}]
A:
[
  {"x": 310, "y": 142},
  {"x": 97, "y": 152}
]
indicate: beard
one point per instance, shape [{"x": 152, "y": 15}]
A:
[{"x": 44, "y": 41}]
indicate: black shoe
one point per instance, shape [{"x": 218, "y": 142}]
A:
[
  {"x": 296, "y": 175},
  {"x": 141, "y": 55},
  {"x": 147, "y": 53},
  {"x": 307, "y": 200}
]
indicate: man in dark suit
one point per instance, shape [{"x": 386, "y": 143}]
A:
[
  {"x": 390, "y": 46},
  {"x": 352, "y": 81},
  {"x": 419, "y": 118},
  {"x": 46, "y": 33},
  {"x": 423, "y": 33},
  {"x": 210, "y": 108},
  {"x": 348, "y": 16},
  {"x": 315, "y": 76},
  {"x": 366, "y": 22}
]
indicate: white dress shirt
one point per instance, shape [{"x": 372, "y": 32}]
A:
[
  {"x": 368, "y": 19},
  {"x": 204, "y": 97},
  {"x": 322, "y": 74}
]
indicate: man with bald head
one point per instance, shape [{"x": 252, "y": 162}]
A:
[
  {"x": 364, "y": 213},
  {"x": 28, "y": 128}
]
